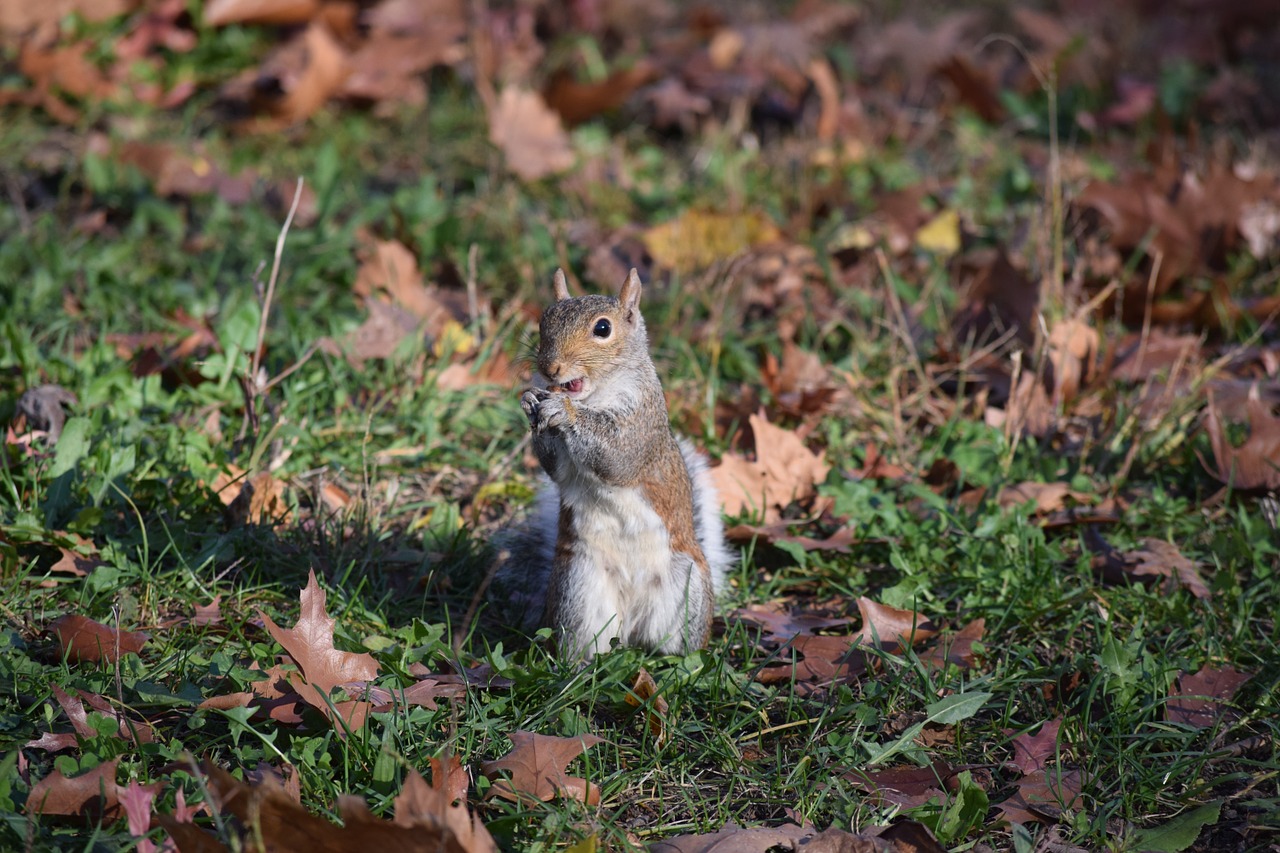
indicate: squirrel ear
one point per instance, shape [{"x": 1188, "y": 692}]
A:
[
  {"x": 630, "y": 294},
  {"x": 561, "y": 285}
]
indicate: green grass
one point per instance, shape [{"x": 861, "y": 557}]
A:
[{"x": 403, "y": 562}]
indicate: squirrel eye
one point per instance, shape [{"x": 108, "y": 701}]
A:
[{"x": 602, "y": 328}]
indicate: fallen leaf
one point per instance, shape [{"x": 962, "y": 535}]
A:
[
  {"x": 941, "y": 234},
  {"x": 219, "y": 13},
  {"x": 296, "y": 80},
  {"x": 773, "y": 534},
  {"x": 905, "y": 785},
  {"x": 257, "y": 499},
  {"x": 1200, "y": 700},
  {"x": 322, "y": 667},
  {"x": 780, "y": 625},
  {"x": 644, "y": 690},
  {"x": 82, "y": 640},
  {"x": 529, "y": 134},
  {"x": 136, "y": 801},
  {"x": 788, "y": 837},
  {"x": 42, "y": 407},
  {"x": 1032, "y": 753},
  {"x": 955, "y": 648},
  {"x": 442, "y": 806},
  {"x": 891, "y": 628},
  {"x": 537, "y": 766},
  {"x": 784, "y": 471},
  {"x": 1048, "y": 497},
  {"x": 93, "y": 795},
  {"x": 1043, "y": 796},
  {"x": 1157, "y": 558},
  {"x": 999, "y": 301},
  {"x": 19, "y": 17},
  {"x": 76, "y": 565},
  {"x": 1255, "y": 464},
  {"x": 698, "y": 238}
]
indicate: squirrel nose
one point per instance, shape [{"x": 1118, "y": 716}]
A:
[{"x": 553, "y": 369}]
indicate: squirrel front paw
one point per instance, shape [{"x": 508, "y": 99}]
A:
[{"x": 544, "y": 409}]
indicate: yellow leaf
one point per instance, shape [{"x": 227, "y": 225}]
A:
[
  {"x": 941, "y": 234},
  {"x": 453, "y": 338},
  {"x": 697, "y": 239}
]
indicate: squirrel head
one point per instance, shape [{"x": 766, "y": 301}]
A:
[{"x": 586, "y": 340}]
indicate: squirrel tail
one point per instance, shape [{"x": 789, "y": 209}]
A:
[
  {"x": 707, "y": 523},
  {"x": 522, "y": 580}
]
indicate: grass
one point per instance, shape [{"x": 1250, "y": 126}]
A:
[{"x": 434, "y": 474}]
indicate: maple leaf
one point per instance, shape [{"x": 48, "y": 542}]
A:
[
  {"x": 537, "y": 766},
  {"x": 322, "y": 667},
  {"x": 82, "y": 640}
]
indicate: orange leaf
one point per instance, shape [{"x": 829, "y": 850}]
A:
[{"x": 537, "y": 766}]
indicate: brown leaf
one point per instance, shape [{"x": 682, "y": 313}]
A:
[
  {"x": 784, "y": 471},
  {"x": 219, "y": 13},
  {"x": 645, "y": 690},
  {"x": 1255, "y": 464},
  {"x": 441, "y": 806},
  {"x": 389, "y": 270},
  {"x": 529, "y": 134},
  {"x": 1158, "y": 558},
  {"x": 133, "y": 731},
  {"x": 955, "y": 648},
  {"x": 821, "y": 660},
  {"x": 405, "y": 40},
  {"x": 21, "y": 16},
  {"x": 53, "y": 742},
  {"x": 82, "y": 640},
  {"x": 257, "y": 499},
  {"x": 907, "y": 786},
  {"x": 1200, "y": 700},
  {"x": 323, "y": 667},
  {"x": 837, "y": 542},
  {"x": 74, "y": 564},
  {"x": 1042, "y": 796},
  {"x": 788, "y": 837},
  {"x": 891, "y": 628},
  {"x": 93, "y": 795},
  {"x": 1048, "y": 497},
  {"x": 999, "y": 300},
  {"x": 1032, "y": 753},
  {"x": 296, "y": 80},
  {"x": 537, "y": 766},
  {"x": 578, "y": 102},
  {"x": 781, "y": 625}
]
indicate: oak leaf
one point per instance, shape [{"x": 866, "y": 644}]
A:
[
  {"x": 1042, "y": 796},
  {"x": 529, "y": 134},
  {"x": 321, "y": 666},
  {"x": 1032, "y": 753},
  {"x": 82, "y": 640},
  {"x": 892, "y": 628},
  {"x": 785, "y": 470},
  {"x": 1255, "y": 464},
  {"x": 537, "y": 766},
  {"x": 93, "y": 795}
]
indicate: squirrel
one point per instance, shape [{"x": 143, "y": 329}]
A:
[{"x": 626, "y": 537}]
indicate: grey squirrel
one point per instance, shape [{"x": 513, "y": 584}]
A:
[{"x": 625, "y": 540}]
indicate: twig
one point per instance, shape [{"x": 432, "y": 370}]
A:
[{"x": 271, "y": 284}]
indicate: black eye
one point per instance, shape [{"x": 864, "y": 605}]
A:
[{"x": 602, "y": 328}]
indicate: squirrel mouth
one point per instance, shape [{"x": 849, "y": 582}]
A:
[{"x": 573, "y": 386}]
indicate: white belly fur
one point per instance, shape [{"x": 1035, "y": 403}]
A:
[{"x": 623, "y": 569}]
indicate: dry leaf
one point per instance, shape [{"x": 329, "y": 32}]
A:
[
  {"x": 907, "y": 786},
  {"x": 1042, "y": 796},
  {"x": 891, "y": 628},
  {"x": 219, "y": 13},
  {"x": 21, "y": 16},
  {"x": 780, "y": 625},
  {"x": 529, "y": 134},
  {"x": 578, "y": 102},
  {"x": 1032, "y": 753},
  {"x": 1048, "y": 497},
  {"x": 93, "y": 795},
  {"x": 645, "y": 690},
  {"x": 537, "y": 766},
  {"x": 784, "y": 471},
  {"x": 697, "y": 239},
  {"x": 1200, "y": 700},
  {"x": 258, "y": 499},
  {"x": 1255, "y": 464},
  {"x": 82, "y": 640},
  {"x": 957, "y": 648},
  {"x": 323, "y": 667}
]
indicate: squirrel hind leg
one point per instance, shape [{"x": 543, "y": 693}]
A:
[{"x": 708, "y": 525}]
